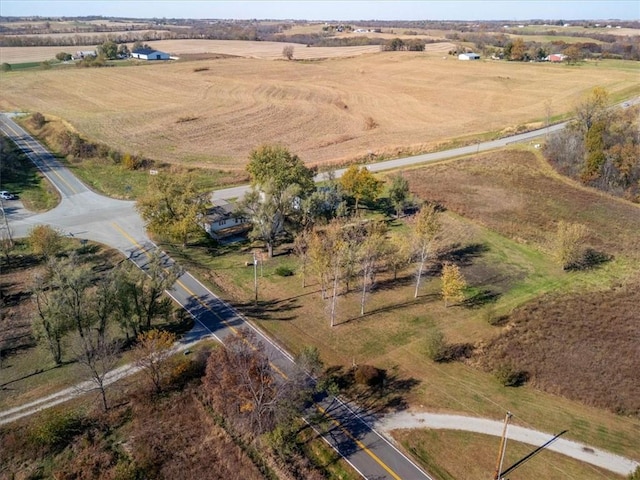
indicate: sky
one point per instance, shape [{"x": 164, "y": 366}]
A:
[{"x": 332, "y": 10}]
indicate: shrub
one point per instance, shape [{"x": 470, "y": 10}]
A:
[
  {"x": 283, "y": 271},
  {"x": 5, "y": 67},
  {"x": 37, "y": 119},
  {"x": 436, "y": 347},
  {"x": 635, "y": 475},
  {"x": 369, "y": 375},
  {"x": 509, "y": 376},
  {"x": 57, "y": 429}
]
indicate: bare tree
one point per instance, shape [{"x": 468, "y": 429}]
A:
[
  {"x": 287, "y": 52},
  {"x": 151, "y": 354},
  {"x": 370, "y": 253}
]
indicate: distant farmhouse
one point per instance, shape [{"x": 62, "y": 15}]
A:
[
  {"x": 556, "y": 57},
  {"x": 468, "y": 56},
  {"x": 149, "y": 54},
  {"x": 82, "y": 54}
]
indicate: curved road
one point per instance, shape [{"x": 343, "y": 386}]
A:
[{"x": 85, "y": 214}]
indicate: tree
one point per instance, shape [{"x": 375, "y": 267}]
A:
[
  {"x": 360, "y": 184},
  {"x": 592, "y": 108},
  {"x": 45, "y": 240},
  {"x": 172, "y": 208},
  {"x": 569, "y": 244},
  {"x": 399, "y": 253},
  {"x": 370, "y": 253},
  {"x": 38, "y": 120},
  {"x": 595, "y": 152},
  {"x": 320, "y": 258},
  {"x": 280, "y": 183},
  {"x": 98, "y": 354},
  {"x": 287, "y": 52},
  {"x": 453, "y": 284},
  {"x": 48, "y": 324},
  {"x": 151, "y": 354},
  {"x": 301, "y": 250},
  {"x": 426, "y": 227},
  {"x": 573, "y": 53},
  {"x": 63, "y": 56},
  {"x": 399, "y": 193},
  {"x": 123, "y": 50},
  {"x": 5, "y": 67},
  {"x": 517, "y": 50},
  {"x": 108, "y": 50},
  {"x": 242, "y": 386}
]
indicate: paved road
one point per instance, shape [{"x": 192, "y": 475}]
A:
[
  {"x": 579, "y": 451},
  {"x": 84, "y": 214}
]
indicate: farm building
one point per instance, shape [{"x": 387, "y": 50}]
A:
[
  {"x": 221, "y": 223},
  {"x": 468, "y": 56},
  {"x": 82, "y": 54},
  {"x": 556, "y": 57},
  {"x": 149, "y": 54}
]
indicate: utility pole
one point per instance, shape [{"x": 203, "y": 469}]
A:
[
  {"x": 503, "y": 448},
  {"x": 255, "y": 278}
]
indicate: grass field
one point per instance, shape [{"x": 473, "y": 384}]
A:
[
  {"x": 509, "y": 201},
  {"x": 327, "y": 111},
  {"x": 469, "y": 456}
]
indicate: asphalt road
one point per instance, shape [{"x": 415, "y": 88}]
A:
[{"x": 85, "y": 214}]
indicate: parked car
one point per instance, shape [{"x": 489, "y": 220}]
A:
[{"x": 6, "y": 195}]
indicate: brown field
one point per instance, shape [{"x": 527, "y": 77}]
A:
[
  {"x": 13, "y": 55},
  {"x": 322, "y": 110}
]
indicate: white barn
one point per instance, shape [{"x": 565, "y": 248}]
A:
[
  {"x": 468, "y": 56},
  {"x": 149, "y": 54}
]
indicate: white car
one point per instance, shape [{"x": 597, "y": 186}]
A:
[{"x": 6, "y": 195}]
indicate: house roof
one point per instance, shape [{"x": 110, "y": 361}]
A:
[{"x": 146, "y": 51}]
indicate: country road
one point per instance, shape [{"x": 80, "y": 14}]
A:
[{"x": 85, "y": 214}]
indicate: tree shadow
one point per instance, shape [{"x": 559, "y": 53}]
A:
[
  {"x": 270, "y": 309},
  {"x": 590, "y": 259},
  {"x": 389, "y": 308},
  {"x": 463, "y": 255},
  {"x": 480, "y": 299},
  {"x": 32, "y": 374}
]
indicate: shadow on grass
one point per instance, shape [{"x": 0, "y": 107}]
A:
[
  {"x": 480, "y": 299},
  {"x": 463, "y": 255},
  {"x": 392, "y": 307},
  {"x": 270, "y": 309},
  {"x": 32, "y": 374}
]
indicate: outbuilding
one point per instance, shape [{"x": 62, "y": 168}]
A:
[
  {"x": 468, "y": 56},
  {"x": 149, "y": 54},
  {"x": 556, "y": 57}
]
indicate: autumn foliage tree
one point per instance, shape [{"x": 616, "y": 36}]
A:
[
  {"x": 569, "y": 249},
  {"x": 151, "y": 355},
  {"x": 453, "y": 284},
  {"x": 426, "y": 227},
  {"x": 360, "y": 184},
  {"x": 45, "y": 240}
]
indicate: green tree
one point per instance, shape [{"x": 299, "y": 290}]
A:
[
  {"x": 172, "y": 208},
  {"x": 425, "y": 229},
  {"x": 399, "y": 193},
  {"x": 595, "y": 152},
  {"x": 275, "y": 166},
  {"x": 360, "y": 184},
  {"x": 453, "y": 284},
  {"x": 123, "y": 50},
  {"x": 108, "y": 50},
  {"x": 5, "y": 67},
  {"x": 63, "y": 56}
]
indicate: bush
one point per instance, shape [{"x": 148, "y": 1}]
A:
[
  {"x": 57, "y": 429},
  {"x": 369, "y": 375},
  {"x": 436, "y": 347},
  {"x": 5, "y": 67},
  {"x": 509, "y": 376},
  {"x": 37, "y": 119},
  {"x": 283, "y": 271}
]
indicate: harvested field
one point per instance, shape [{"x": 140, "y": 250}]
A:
[
  {"x": 321, "y": 110},
  {"x": 585, "y": 347},
  {"x": 518, "y": 195}
]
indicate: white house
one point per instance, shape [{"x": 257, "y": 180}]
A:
[
  {"x": 220, "y": 222},
  {"x": 468, "y": 56},
  {"x": 149, "y": 54}
]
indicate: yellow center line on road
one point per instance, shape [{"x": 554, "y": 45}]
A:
[
  {"x": 358, "y": 443},
  {"x": 192, "y": 294},
  {"x": 39, "y": 157},
  {"x": 280, "y": 372}
]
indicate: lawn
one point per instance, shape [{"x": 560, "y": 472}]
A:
[{"x": 502, "y": 209}]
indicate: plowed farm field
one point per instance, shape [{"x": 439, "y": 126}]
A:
[{"x": 214, "y": 112}]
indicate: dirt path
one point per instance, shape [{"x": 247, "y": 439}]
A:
[{"x": 579, "y": 451}]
